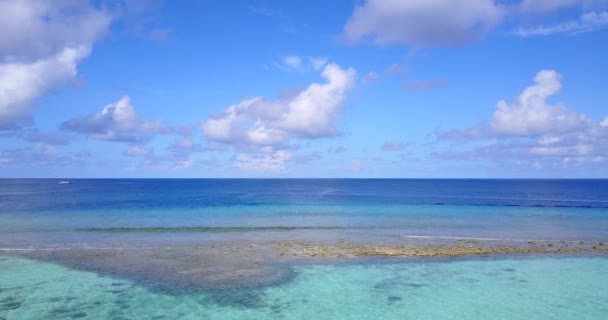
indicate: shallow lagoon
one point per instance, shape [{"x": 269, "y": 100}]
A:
[{"x": 488, "y": 288}]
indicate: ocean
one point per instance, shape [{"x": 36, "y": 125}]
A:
[{"x": 167, "y": 215}]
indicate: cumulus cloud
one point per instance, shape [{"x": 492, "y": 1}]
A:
[
  {"x": 41, "y": 44},
  {"x": 22, "y": 82},
  {"x": 534, "y": 128},
  {"x": 588, "y": 22},
  {"x": 310, "y": 114},
  {"x": 530, "y": 114},
  {"x": 33, "y": 29},
  {"x": 423, "y": 23},
  {"x": 116, "y": 122}
]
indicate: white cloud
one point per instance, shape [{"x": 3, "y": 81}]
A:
[
  {"x": 310, "y": 114},
  {"x": 116, "y": 122},
  {"x": 423, "y": 23},
  {"x": 533, "y": 128},
  {"x": 41, "y": 44},
  {"x": 22, "y": 82},
  {"x": 530, "y": 114},
  {"x": 274, "y": 161},
  {"x": 34, "y": 29},
  {"x": 588, "y": 22}
]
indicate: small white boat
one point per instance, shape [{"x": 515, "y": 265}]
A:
[{"x": 65, "y": 182}]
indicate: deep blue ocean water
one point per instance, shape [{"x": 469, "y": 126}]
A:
[
  {"x": 43, "y": 211},
  {"x": 90, "y": 212}
]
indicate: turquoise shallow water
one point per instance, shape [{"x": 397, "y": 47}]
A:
[{"x": 506, "y": 288}]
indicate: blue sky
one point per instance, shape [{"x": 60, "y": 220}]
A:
[{"x": 375, "y": 88}]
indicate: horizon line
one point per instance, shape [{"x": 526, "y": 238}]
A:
[{"x": 295, "y": 178}]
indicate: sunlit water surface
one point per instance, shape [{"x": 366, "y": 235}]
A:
[{"x": 509, "y": 288}]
